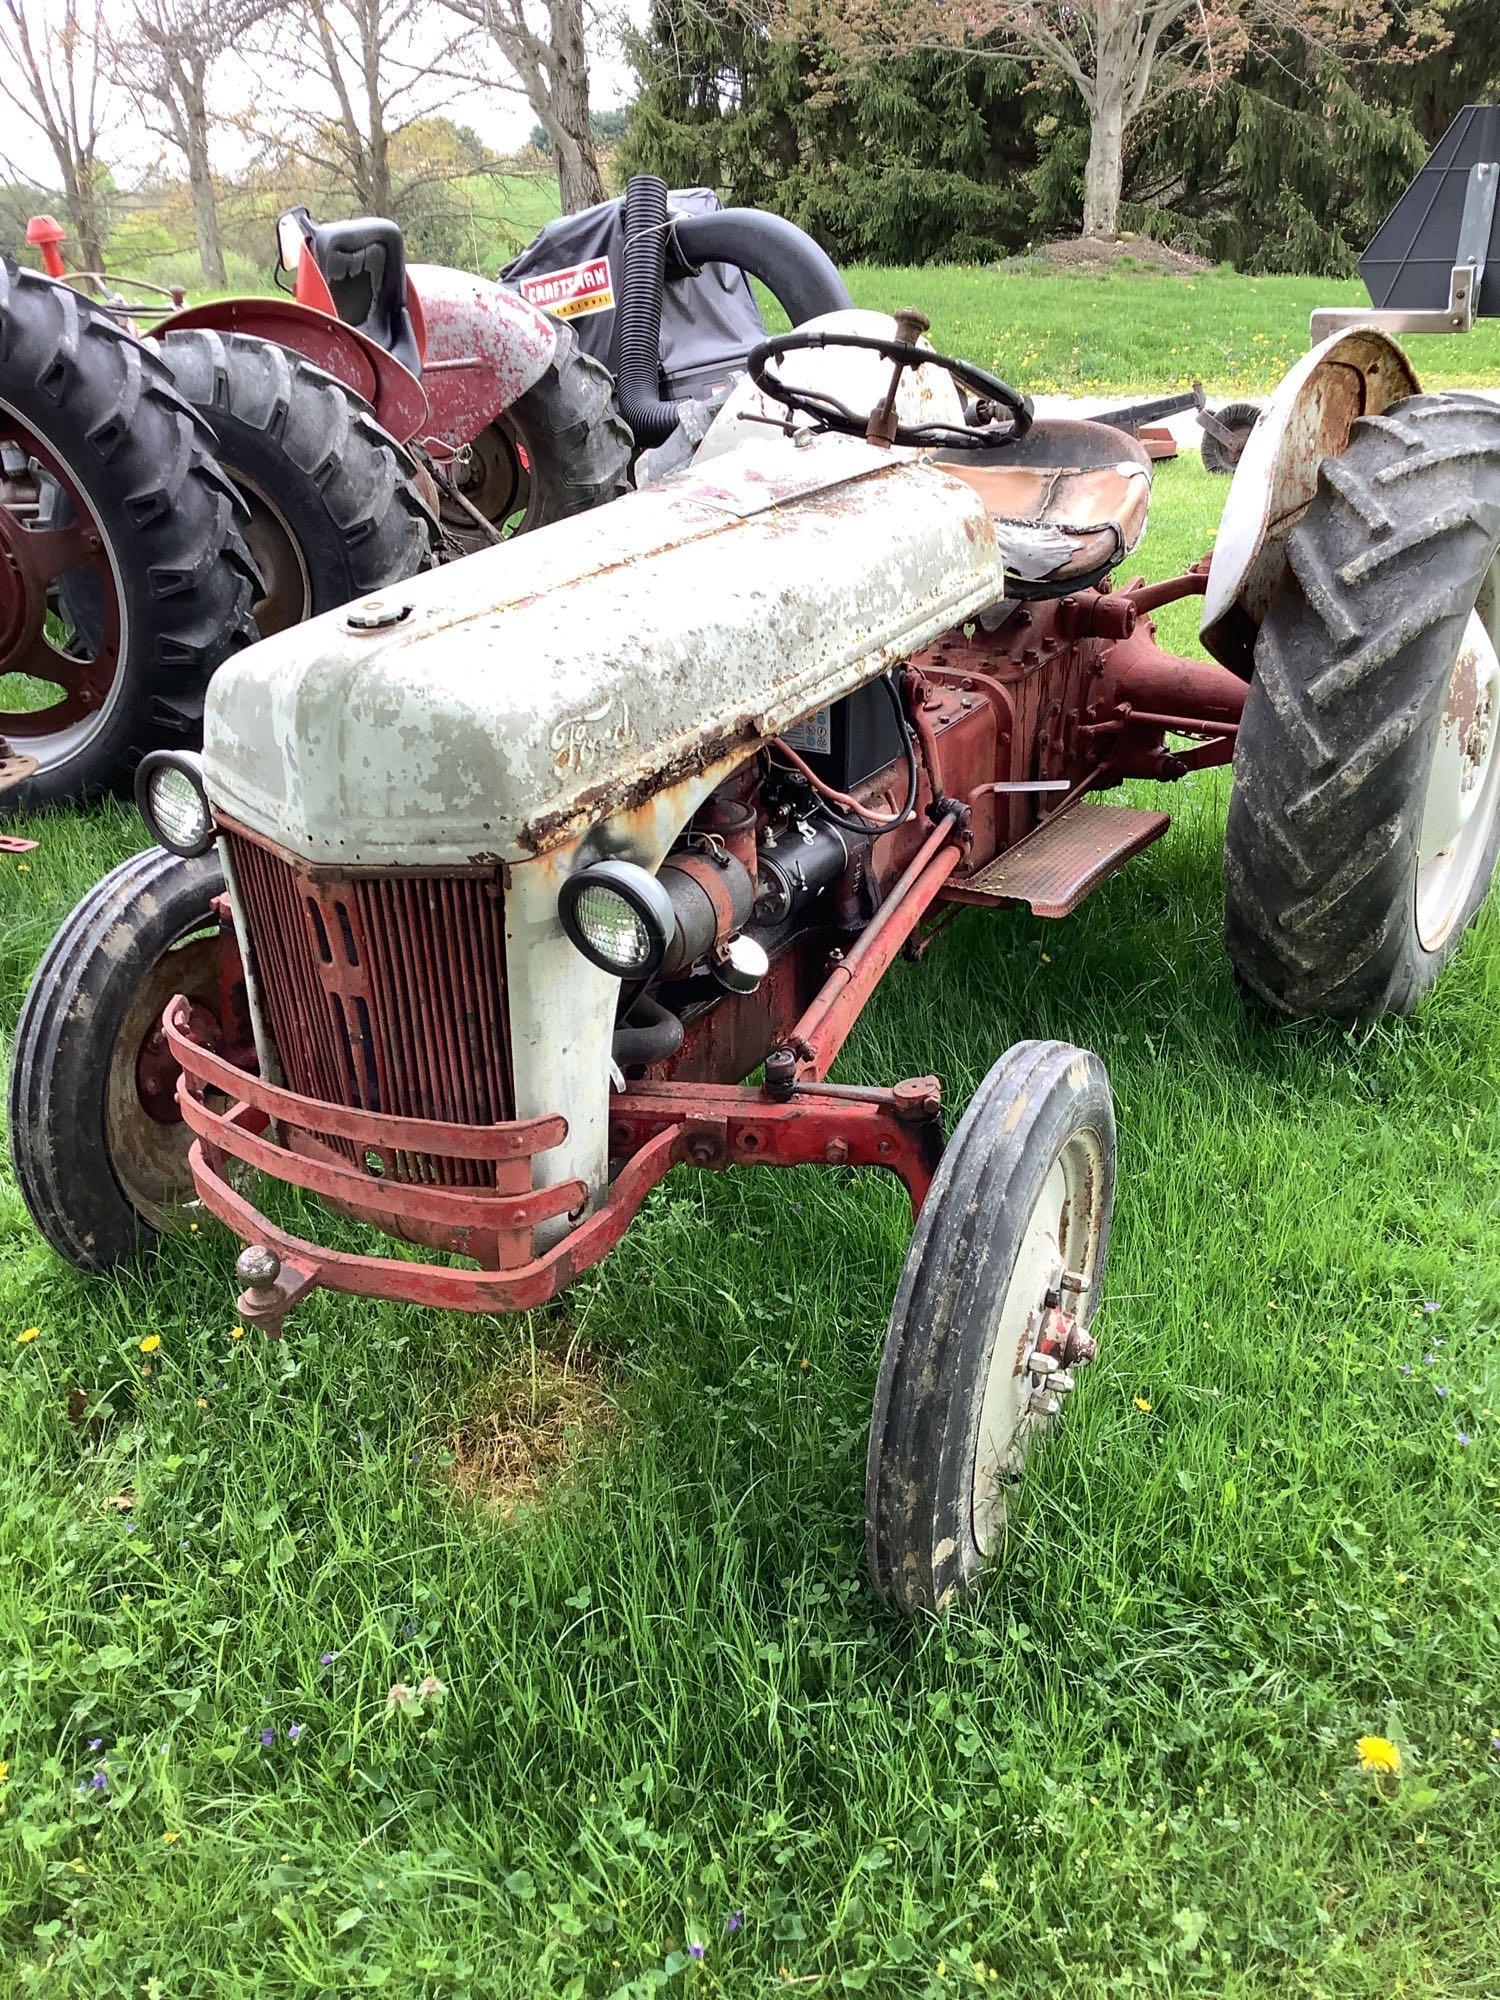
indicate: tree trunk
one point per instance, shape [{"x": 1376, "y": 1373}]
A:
[
  {"x": 579, "y": 182},
  {"x": 194, "y": 130},
  {"x": 83, "y": 213},
  {"x": 1104, "y": 174}
]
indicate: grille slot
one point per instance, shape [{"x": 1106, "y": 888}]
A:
[{"x": 384, "y": 992}]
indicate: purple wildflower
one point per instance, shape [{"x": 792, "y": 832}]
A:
[
  {"x": 326, "y": 1659},
  {"x": 1464, "y": 1438},
  {"x": 1442, "y": 1388},
  {"x": 96, "y": 1742},
  {"x": 735, "y": 1921},
  {"x": 1431, "y": 1306},
  {"x": 1428, "y": 1359},
  {"x": 98, "y": 1782},
  {"x": 1406, "y": 1368},
  {"x": 695, "y": 1950},
  {"x": 130, "y": 1527},
  {"x": 267, "y": 1738},
  {"x": 294, "y": 1730}
]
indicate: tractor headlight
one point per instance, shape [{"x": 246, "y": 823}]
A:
[
  {"x": 173, "y": 803},
  {"x": 619, "y": 916}
]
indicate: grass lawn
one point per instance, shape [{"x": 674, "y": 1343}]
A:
[
  {"x": 625, "y": 1534},
  {"x": 1076, "y": 334}
]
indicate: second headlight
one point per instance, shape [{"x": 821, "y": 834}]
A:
[{"x": 619, "y": 916}]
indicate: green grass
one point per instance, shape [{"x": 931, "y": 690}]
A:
[
  {"x": 1128, "y": 1769},
  {"x": 1076, "y": 334}
]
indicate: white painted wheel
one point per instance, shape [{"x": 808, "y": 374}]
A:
[
  {"x": 1463, "y": 784},
  {"x": 991, "y": 1318},
  {"x": 1043, "y": 1310}
]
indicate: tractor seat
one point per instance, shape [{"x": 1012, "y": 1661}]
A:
[
  {"x": 363, "y": 262},
  {"x": 1068, "y": 500}
]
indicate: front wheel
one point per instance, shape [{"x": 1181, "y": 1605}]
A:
[
  {"x": 100, "y": 1149},
  {"x": 1364, "y": 825},
  {"x": 991, "y": 1319}
]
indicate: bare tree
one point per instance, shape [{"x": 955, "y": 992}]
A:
[
  {"x": 386, "y": 70},
  {"x": 545, "y": 43},
  {"x": 50, "y": 70},
  {"x": 163, "y": 54}
]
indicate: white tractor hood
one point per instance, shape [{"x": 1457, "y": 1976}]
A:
[{"x": 533, "y": 690}]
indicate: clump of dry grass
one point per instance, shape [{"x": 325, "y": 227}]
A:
[{"x": 528, "y": 1430}]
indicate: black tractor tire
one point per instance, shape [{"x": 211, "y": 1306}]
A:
[
  {"x": 336, "y": 504},
  {"x": 100, "y": 1177},
  {"x": 577, "y": 451},
  {"x": 144, "y": 461},
  {"x": 1357, "y": 680},
  {"x": 1219, "y": 457},
  {"x": 1037, "y": 1143}
]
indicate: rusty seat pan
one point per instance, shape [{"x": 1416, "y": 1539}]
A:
[{"x": 1069, "y": 498}]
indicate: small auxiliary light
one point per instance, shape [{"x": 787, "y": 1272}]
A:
[{"x": 170, "y": 794}]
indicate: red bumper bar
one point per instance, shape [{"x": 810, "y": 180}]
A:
[{"x": 653, "y": 1127}]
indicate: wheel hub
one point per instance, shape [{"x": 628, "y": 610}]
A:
[{"x": 1463, "y": 787}]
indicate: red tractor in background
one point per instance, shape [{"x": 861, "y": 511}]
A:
[{"x": 169, "y": 494}]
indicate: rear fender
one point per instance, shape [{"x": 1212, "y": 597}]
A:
[
  {"x": 341, "y": 351},
  {"x": 486, "y": 346},
  {"x": 1356, "y": 373}
]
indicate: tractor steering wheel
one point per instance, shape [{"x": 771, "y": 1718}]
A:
[{"x": 879, "y": 425}]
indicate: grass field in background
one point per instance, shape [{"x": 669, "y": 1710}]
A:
[{"x": 625, "y": 1534}]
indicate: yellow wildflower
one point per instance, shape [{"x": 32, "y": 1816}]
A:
[
  {"x": 150, "y": 1343},
  {"x": 1378, "y": 1753},
  {"x": 1143, "y": 1406},
  {"x": 170, "y": 1836},
  {"x": 4, "y": 1771},
  {"x": 28, "y": 1333},
  {"x": 236, "y": 1333}
]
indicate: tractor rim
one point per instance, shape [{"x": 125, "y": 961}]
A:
[
  {"x": 287, "y": 597},
  {"x": 1463, "y": 782},
  {"x": 1039, "y": 1338},
  {"x": 493, "y": 475},
  {"x": 41, "y": 640},
  {"x": 146, "y": 1138}
]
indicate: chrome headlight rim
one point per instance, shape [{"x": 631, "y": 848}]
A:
[
  {"x": 187, "y": 764},
  {"x": 640, "y": 890}
]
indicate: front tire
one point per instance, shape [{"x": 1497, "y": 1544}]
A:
[
  {"x": 1364, "y": 825},
  {"x": 103, "y": 1169},
  {"x": 990, "y": 1319},
  {"x": 336, "y": 508}
]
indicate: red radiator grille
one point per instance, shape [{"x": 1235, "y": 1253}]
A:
[{"x": 384, "y": 992}]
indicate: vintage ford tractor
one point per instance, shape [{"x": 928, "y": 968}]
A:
[{"x": 496, "y": 897}]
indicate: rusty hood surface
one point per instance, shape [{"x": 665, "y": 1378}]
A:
[{"x": 535, "y": 689}]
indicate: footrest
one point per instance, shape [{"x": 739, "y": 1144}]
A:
[{"x": 1054, "y": 868}]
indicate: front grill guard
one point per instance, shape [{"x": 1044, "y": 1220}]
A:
[
  {"x": 653, "y": 1126},
  {"x": 794, "y": 1119}
]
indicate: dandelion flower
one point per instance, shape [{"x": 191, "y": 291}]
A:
[
  {"x": 236, "y": 1333},
  {"x": 170, "y": 1837},
  {"x": 1143, "y": 1406},
  {"x": 28, "y": 1334},
  {"x": 150, "y": 1342},
  {"x": 1378, "y": 1753},
  {"x": 4, "y": 1770}
]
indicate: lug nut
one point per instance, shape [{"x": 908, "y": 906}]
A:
[
  {"x": 1038, "y": 1362},
  {"x": 1062, "y": 1381},
  {"x": 1042, "y": 1404}
]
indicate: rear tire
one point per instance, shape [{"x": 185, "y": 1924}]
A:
[
  {"x": 991, "y": 1316},
  {"x": 171, "y": 562},
  {"x": 1364, "y": 825},
  {"x": 100, "y": 1176},
  {"x": 335, "y": 503},
  {"x": 560, "y": 449}
]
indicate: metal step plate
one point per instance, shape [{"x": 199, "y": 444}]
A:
[{"x": 1053, "y": 869}]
